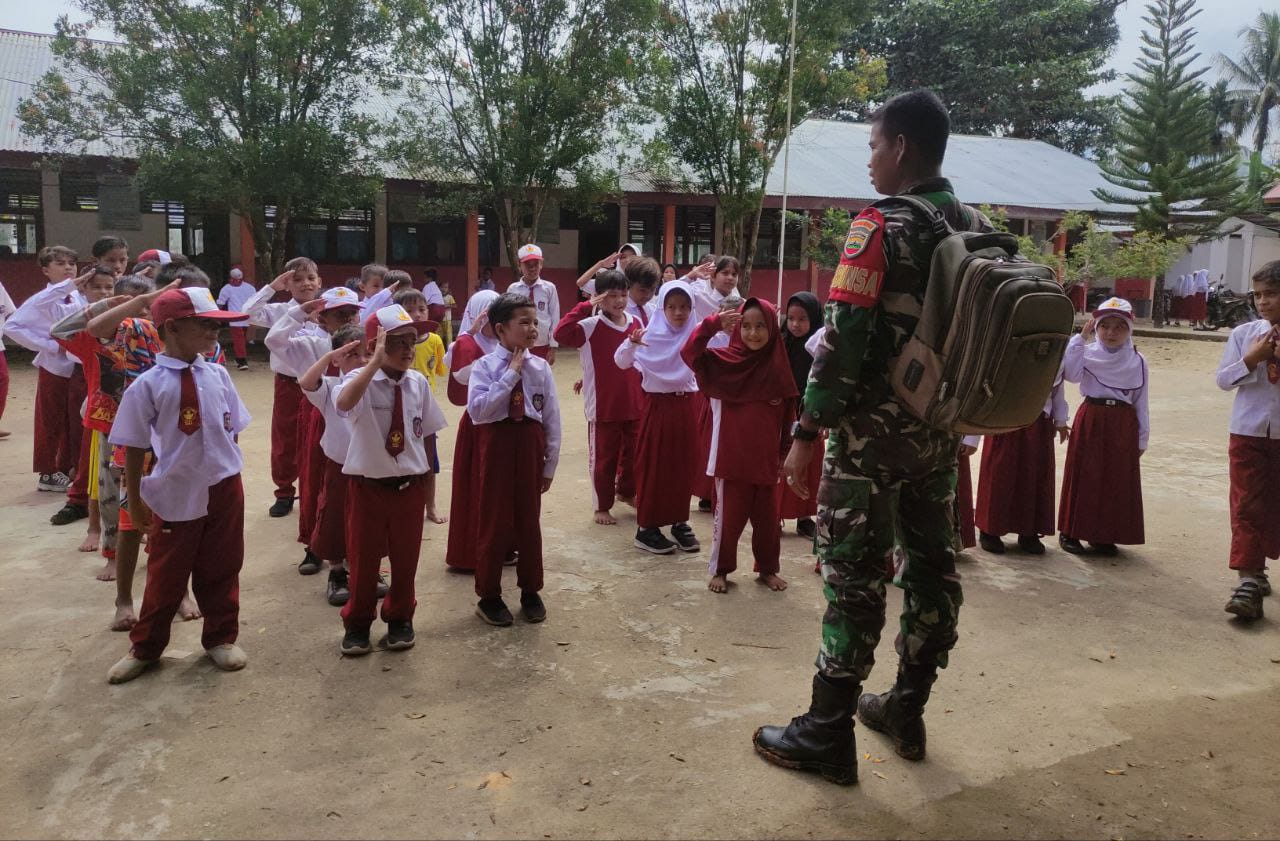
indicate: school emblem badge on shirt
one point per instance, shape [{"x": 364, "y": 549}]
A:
[
  {"x": 226, "y": 421},
  {"x": 542, "y": 305},
  {"x": 417, "y": 427},
  {"x": 538, "y": 401}
]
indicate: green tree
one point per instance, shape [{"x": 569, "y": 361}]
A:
[
  {"x": 1229, "y": 118},
  {"x": 1008, "y": 67},
  {"x": 725, "y": 105},
  {"x": 234, "y": 103},
  {"x": 1256, "y": 92},
  {"x": 523, "y": 103}
]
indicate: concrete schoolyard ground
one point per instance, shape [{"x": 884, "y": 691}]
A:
[{"x": 1087, "y": 698}]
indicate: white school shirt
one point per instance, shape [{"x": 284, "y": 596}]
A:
[
  {"x": 30, "y": 325},
  {"x": 1073, "y": 371},
  {"x": 625, "y": 357},
  {"x": 706, "y": 302},
  {"x": 369, "y": 423},
  {"x": 489, "y": 396},
  {"x": 1256, "y": 410},
  {"x": 263, "y": 314},
  {"x": 186, "y": 466},
  {"x": 642, "y": 314},
  {"x": 7, "y": 309},
  {"x": 296, "y": 343},
  {"x": 336, "y": 439},
  {"x": 433, "y": 294},
  {"x": 235, "y": 298},
  {"x": 1056, "y": 406},
  {"x": 547, "y": 302}
]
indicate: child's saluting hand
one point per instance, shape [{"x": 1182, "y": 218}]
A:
[
  {"x": 729, "y": 319},
  {"x": 517, "y": 359},
  {"x": 637, "y": 336}
]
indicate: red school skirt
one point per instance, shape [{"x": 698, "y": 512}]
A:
[
  {"x": 792, "y": 507},
  {"x": 1016, "y": 485},
  {"x": 1102, "y": 482},
  {"x": 704, "y": 486},
  {"x": 666, "y": 459},
  {"x": 464, "y": 511}
]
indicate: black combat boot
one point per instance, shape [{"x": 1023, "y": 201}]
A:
[
  {"x": 900, "y": 711},
  {"x": 821, "y": 740}
]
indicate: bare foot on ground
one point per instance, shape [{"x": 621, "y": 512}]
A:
[
  {"x": 718, "y": 584},
  {"x": 436, "y": 518},
  {"x": 108, "y": 571},
  {"x": 604, "y": 518},
  {"x": 189, "y": 610},
  {"x": 773, "y": 581},
  {"x": 124, "y": 619},
  {"x": 90, "y": 542}
]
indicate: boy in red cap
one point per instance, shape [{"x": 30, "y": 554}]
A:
[
  {"x": 546, "y": 300},
  {"x": 187, "y": 411},
  {"x": 391, "y": 415}
]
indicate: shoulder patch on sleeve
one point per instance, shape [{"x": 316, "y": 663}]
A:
[{"x": 860, "y": 275}]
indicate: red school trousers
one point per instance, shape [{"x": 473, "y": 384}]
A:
[
  {"x": 284, "y": 435},
  {"x": 239, "y": 343},
  {"x": 611, "y": 460},
  {"x": 738, "y": 503},
  {"x": 509, "y": 461},
  {"x": 329, "y": 537},
  {"x": 209, "y": 551},
  {"x": 57, "y": 421},
  {"x": 4, "y": 381},
  {"x": 384, "y": 519},
  {"x": 311, "y": 461},
  {"x": 1255, "y": 522}
]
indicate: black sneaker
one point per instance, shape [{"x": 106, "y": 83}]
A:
[
  {"x": 310, "y": 564},
  {"x": 494, "y": 611},
  {"x": 532, "y": 608},
  {"x": 282, "y": 507},
  {"x": 53, "y": 482},
  {"x": 684, "y": 537},
  {"x": 1246, "y": 601},
  {"x": 399, "y": 636},
  {"x": 69, "y": 513},
  {"x": 653, "y": 540},
  {"x": 704, "y": 505},
  {"x": 1263, "y": 582},
  {"x": 338, "y": 590},
  {"x": 990, "y": 543},
  {"x": 1070, "y": 544},
  {"x": 355, "y": 642},
  {"x": 513, "y": 558},
  {"x": 382, "y": 586},
  {"x": 1031, "y": 544},
  {"x": 242, "y": 365},
  {"x": 805, "y": 527},
  {"x": 1107, "y": 550}
]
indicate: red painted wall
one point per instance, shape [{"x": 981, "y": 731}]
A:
[{"x": 21, "y": 276}]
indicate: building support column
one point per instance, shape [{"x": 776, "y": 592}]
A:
[
  {"x": 380, "y": 236},
  {"x": 247, "y": 255},
  {"x": 669, "y": 234},
  {"x": 473, "y": 250}
]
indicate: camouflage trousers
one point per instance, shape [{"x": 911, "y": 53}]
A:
[{"x": 885, "y": 513}]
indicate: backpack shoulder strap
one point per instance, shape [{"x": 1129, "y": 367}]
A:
[{"x": 925, "y": 208}]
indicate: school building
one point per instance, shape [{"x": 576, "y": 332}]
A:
[{"x": 47, "y": 197}]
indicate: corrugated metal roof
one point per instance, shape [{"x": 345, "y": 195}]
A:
[{"x": 829, "y": 160}]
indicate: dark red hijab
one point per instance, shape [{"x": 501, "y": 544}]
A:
[{"x": 740, "y": 375}]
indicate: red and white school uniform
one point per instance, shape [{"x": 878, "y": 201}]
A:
[
  {"x": 611, "y": 398},
  {"x": 1254, "y": 449},
  {"x": 667, "y": 447},
  {"x": 287, "y": 415},
  {"x": 386, "y": 466},
  {"x": 1102, "y": 481},
  {"x": 517, "y": 445},
  {"x": 294, "y": 349},
  {"x": 60, "y": 385},
  {"x": 707, "y": 301},
  {"x": 235, "y": 296},
  {"x": 1016, "y": 485},
  {"x": 328, "y": 539},
  {"x": 189, "y": 414},
  {"x": 753, "y": 408},
  {"x": 546, "y": 300},
  {"x": 466, "y": 517}
]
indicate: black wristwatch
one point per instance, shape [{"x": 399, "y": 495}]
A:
[{"x": 799, "y": 433}]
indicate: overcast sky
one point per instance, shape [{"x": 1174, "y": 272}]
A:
[{"x": 1218, "y": 26}]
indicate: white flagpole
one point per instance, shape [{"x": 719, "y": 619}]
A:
[{"x": 786, "y": 156}]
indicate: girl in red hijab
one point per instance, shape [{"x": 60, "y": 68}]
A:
[{"x": 753, "y": 394}]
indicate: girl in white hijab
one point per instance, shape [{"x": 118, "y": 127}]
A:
[
  {"x": 667, "y": 447},
  {"x": 1102, "y": 483}
]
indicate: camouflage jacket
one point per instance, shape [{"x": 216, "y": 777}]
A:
[{"x": 875, "y": 301}]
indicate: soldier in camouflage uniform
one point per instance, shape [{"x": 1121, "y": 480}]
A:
[{"x": 888, "y": 480}]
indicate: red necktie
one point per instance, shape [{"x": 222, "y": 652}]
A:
[
  {"x": 188, "y": 404},
  {"x": 515, "y": 409},
  {"x": 644, "y": 318},
  {"x": 395, "y": 436}
]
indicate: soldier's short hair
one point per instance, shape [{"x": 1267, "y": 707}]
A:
[
  {"x": 921, "y": 118},
  {"x": 1268, "y": 275}
]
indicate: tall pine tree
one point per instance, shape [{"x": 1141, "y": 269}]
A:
[{"x": 1165, "y": 151}]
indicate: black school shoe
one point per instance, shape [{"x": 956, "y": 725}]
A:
[
  {"x": 399, "y": 636},
  {"x": 338, "y": 590},
  {"x": 805, "y": 527},
  {"x": 1264, "y": 582},
  {"x": 1246, "y": 601},
  {"x": 532, "y": 608},
  {"x": 310, "y": 564},
  {"x": 69, "y": 513},
  {"x": 990, "y": 543},
  {"x": 355, "y": 643},
  {"x": 684, "y": 537},
  {"x": 1107, "y": 550},
  {"x": 1031, "y": 544},
  {"x": 1070, "y": 544},
  {"x": 282, "y": 507},
  {"x": 382, "y": 586},
  {"x": 653, "y": 540},
  {"x": 494, "y": 611},
  {"x": 704, "y": 505}
]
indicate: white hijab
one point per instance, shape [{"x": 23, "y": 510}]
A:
[
  {"x": 659, "y": 356},
  {"x": 1122, "y": 369},
  {"x": 476, "y": 304}
]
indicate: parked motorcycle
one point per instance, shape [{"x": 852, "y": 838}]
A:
[{"x": 1228, "y": 308}]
